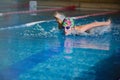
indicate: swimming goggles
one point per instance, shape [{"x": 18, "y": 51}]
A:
[{"x": 67, "y": 27}]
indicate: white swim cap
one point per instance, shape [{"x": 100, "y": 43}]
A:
[{"x": 60, "y": 16}]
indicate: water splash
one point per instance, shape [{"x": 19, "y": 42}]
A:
[{"x": 39, "y": 31}]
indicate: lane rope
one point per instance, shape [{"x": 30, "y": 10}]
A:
[{"x": 96, "y": 14}]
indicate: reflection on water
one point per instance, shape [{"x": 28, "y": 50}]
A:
[
  {"x": 91, "y": 43},
  {"x": 68, "y": 44}
]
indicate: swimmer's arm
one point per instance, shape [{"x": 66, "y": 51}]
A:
[{"x": 86, "y": 27}]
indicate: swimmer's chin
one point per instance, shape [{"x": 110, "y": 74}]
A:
[{"x": 67, "y": 34}]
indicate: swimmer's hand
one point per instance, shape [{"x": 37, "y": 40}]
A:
[{"x": 108, "y": 22}]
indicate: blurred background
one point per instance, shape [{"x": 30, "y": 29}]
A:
[{"x": 83, "y": 4}]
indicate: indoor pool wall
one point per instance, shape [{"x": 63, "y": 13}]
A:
[{"x": 42, "y": 52}]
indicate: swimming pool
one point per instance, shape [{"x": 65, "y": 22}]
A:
[{"x": 41, "y": 52}]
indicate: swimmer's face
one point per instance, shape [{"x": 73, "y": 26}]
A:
[{"x": 67, "y": 30}]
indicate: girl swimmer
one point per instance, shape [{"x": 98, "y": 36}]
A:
[{"x": 69, "y": 28}]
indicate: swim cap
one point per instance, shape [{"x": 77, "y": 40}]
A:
[
  {"x": 60, "y": 16},
  {"x": 68, "y": 22}
]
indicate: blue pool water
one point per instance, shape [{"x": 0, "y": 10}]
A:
[{"x": 41, "y": 52}]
